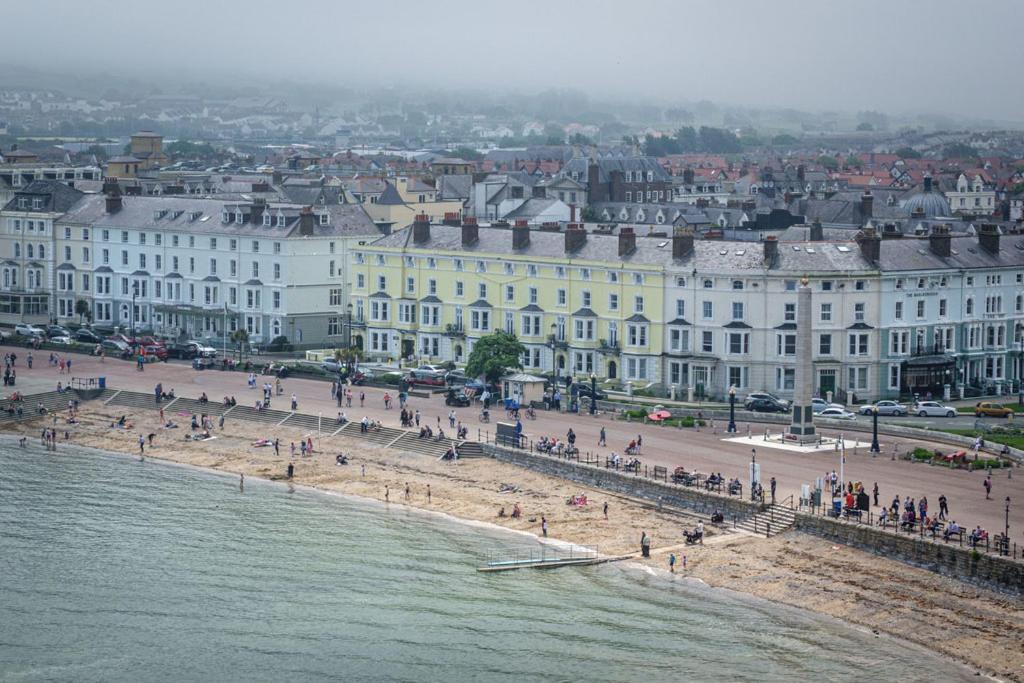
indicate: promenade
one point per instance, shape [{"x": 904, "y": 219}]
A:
[{"x": 701, "y": 450}]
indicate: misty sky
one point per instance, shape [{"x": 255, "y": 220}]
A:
[{"x": 940, "y": 56}]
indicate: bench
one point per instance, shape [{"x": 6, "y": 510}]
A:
[{"x": 661, "y": 472}]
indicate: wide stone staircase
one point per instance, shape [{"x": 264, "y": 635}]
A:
[
  {"x": 52, "y": 401},
  {"x": 471, "y": 449},
  {"x": 773, "y": 521}
]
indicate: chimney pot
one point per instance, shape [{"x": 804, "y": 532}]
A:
[
  {"x": 939, "y": 241},
  {"x": 988, "y": 237},
  {"x": 771, "y": 249},
  {"x": 870, "y": 244},
  {"x": 867, "y": 203},
  {"x": 575, "y": 237},
  {"x": 306, "y": 221}
]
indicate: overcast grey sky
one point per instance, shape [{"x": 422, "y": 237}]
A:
[{"x": 942, "y": 56}]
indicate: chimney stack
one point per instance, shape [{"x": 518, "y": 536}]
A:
[
  {"x": 113, "y": 195},
  {"x": 452, "y": 218},
  {"x": 939, "y": 240},
  {"x": 927, "y": 183},
  {"x": 421, "y": 229},
  {"x": 816, "y": 233},
  {"x": 891, "y": 231},
  {"x": 575, "y": 237},
  {"x": 801, "y": 173},
  {"x": 688, "y": 176},
  {"x": 988, "y": 237},
  {"x": 867, "y": 205},
  {"x": 520, "y": 235},
  {"x": 470, "y": 231},
  {"x": 682, "y": 244},
  {"x": 627, "y": 241},
  {"x": 259, "y": 205},
  {"x": 306, "y": 221},
  {"x": 771, "y": 250},
  {"x": 870, "y": 244}
]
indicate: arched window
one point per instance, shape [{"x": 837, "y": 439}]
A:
[
  {"x": 42, "y": 251},
  {"x": 28, "y": 251},
  {"x": 17, "y": 250}
]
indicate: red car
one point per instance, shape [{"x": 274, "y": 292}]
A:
[
  {"x": 427, "y": 377},
  {"x": 152, "y": 350}
]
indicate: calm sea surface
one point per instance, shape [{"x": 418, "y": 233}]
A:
[{"x": 112, "y": 569}]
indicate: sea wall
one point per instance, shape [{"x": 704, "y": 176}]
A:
[
  {"x": 668, "y": 494},
  {"x": 983, "y": 569}
]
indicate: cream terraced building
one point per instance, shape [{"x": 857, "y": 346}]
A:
[{"x": 700, "y": 316}]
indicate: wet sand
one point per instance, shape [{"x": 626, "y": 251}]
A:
[{"x": 978, "y": 627}]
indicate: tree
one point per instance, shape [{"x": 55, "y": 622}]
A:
[
  {"x": 959, "y": 150},
  {"x": 240, "y": 337},
  {"x": 82, "y": 310},
  {"x": 349, "y": 356},
  {"x": 828, "y": 162},
  {"x": 719, "y": 141},
  {"x": 865, "y": 126},
  {"x": 908, "y": 153},
  {"x": 467, "y": 153},
  {"x": 784, "y": 140},
  {"x": 493, "y": 355}
]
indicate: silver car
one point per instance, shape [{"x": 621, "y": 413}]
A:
[
  {"x": 885, "y": 408},
  {"x": 932, "y": 409}
]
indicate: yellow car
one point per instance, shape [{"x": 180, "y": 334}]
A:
[{"x": 987, "y": 409}]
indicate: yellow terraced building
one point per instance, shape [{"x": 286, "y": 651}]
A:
[{"x": 581, "y": 302}]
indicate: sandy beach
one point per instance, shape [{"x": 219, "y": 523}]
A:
[{"x": 980, "y": 628}]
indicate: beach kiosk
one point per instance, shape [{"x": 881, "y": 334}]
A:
[{"x": 522, "y": 389}]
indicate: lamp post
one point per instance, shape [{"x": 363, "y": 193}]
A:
[
  {"x": 732, "y": 410},
  {"x": 593, "y": 393},
  {"x": 348, "y": 326},
  {"x": 875, "y": 448},
  {"x": 1020, "y": 370},
  {"x": 135, "y": 293},
  {"x": 554, "y": 359},
  {"x": 1006, "y": 530}
]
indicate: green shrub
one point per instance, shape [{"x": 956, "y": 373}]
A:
[
  {"x": 279, "y": 344},
  {"x": 637, "y": 414},
  {"x": 923, "y": 453}
]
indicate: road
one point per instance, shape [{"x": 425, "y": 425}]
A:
[{"x": 702, "y": 450}]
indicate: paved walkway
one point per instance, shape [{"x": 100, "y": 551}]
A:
[{"x": 704, "y": 450}]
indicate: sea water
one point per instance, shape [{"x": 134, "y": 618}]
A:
[{"x": 112, "y": 569}]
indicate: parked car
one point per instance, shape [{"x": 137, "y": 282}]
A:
[
  {"x": 837, "y": 414},
  {"x": 57, "y": 331},
  {"x": 87, "y": 336},
  {"x": 184, "y": 351},
  {"x": 433, "y": 368},
  {"x": 457, "y": 378},
  {"x": 60, "y": 339},
  {"x": 820, "y": 404},
  {"x": 987, "y": 409},
  {"x": 115, "y": 347},
  {"x": 356, "y": 376},
  {"x": 153, "y": 350},
  {"x": 932, "y": 409},
  {"x": 202, "y": 349},
  {"x": 766, "y": 405},
  {"x": 332, "y": 365},
  {"x": 456, "y": 398},
  {"x": 26, "y": 330},
  {"x": 582, "y": 390},
  {"x": 885, "y": 408},
  {"x": 763, "y": 396},
  {"x": 426, "y": 377}
]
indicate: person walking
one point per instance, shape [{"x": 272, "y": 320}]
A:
[
  {"x": 639, "y": 443},
  {"x": 988, "y": 487},
  {"x": 142, "y": 445},
  {"x": 601, "y": 440},
  {"x": 874, "y": 492},
  {"x": 943, "y": 507},
  {"x": 387, "y": 494},
  {"x": 362, "y": 398},
  {"x": 645, "y": 544},
  {"x": 417, "y": 417},
  {"x": 407, "y": 490},
  {"x": 544, "y": 526},
  {"x": 672, "y": 562},
  {"x": 295, "y": 402},
  {"x": 428, "y": 493},
  {"x": 606, "y": 509}
]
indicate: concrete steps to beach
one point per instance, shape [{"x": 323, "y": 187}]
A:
[
  {"x": 773, "y": 521},
  {"x": 52, "y": 401},
  {"x": 471, "y": 449}
]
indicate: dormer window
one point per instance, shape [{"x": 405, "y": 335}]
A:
[
  {"x": 267, "y": 220},
  {"x": 239, "y": 217},
  {"x": 325, "y": 219},
  {"x": 280, "y": 220},
  {"x": 37, "y": 203},
  {"x": 22, "y": 203}
]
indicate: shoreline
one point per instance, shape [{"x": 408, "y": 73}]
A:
[{"x": 794, "y": 570}]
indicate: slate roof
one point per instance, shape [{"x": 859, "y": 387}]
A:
[
  {"x": 915, "y": 254},
  {"x": 452, "y": 187},
  {"x": 615, "y": 162},
  {"x": 390, "y": 196},
  {"x": 584, "y": 313},
  {"x": 57, "y": 197}
]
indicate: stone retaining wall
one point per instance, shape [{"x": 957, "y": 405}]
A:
[
  {"x": 625, "y": 483},
  {"x": 983, "y": 569}
]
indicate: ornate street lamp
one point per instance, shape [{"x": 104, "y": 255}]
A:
[
  {"x": 875, "y": 448},
  {"x": 593, "y": 393},
  {"x": 732, "y": 410}
]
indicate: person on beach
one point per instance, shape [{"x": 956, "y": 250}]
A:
[
  {"x": 241, "y": 482},
  {"x": 428, "y": 493},
  {"x": 302, "y": 448},
  {"x": 291, "y": 470},
  {"x": 672, "y": 562},
  {"x": 606, "y": 509},
  {"x": 309, "y": 445},
  {"x": 387, "y": 494},
  {"x": 277, "y": 447},
  {"x": 407, "y": 490},
  {"x": 645, "y": 544},
  {"x": 151, "y": 437},
  {"x": 293, "y": 449},
  {"x": 544, "y": 526}
]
